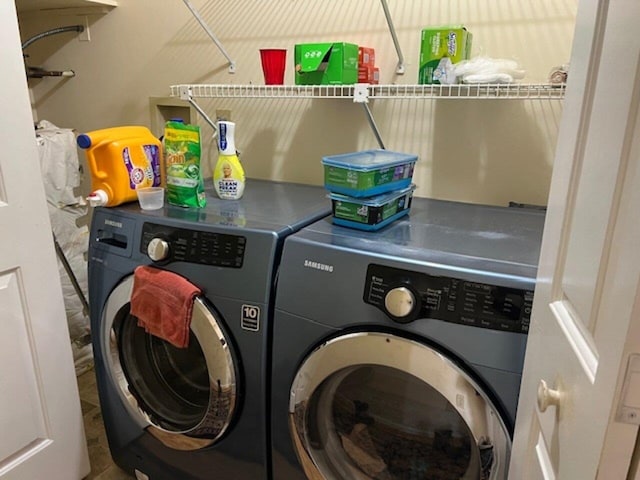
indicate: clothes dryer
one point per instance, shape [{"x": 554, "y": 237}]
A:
[
  {"x": 198, "y": 412},
  {"x": 398, "y": 354}
]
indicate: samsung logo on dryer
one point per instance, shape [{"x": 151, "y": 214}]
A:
[
  {"x": 318, "y": 266},
  {"x": 112, "y": 223}
]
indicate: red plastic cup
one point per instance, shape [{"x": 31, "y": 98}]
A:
[{"x": 273, "y": 63}]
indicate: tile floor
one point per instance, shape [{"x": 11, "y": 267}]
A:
[{"x": 102, "y": 466}]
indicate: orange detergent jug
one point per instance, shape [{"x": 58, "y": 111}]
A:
[{"x": 121, "y": 159}]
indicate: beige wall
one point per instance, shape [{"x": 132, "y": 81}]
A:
[{"x": 483, "y": 151}]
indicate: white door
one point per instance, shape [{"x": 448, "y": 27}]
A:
[
  {"x": 41, "y": 431},
  {"x": 586, "y": 310}
]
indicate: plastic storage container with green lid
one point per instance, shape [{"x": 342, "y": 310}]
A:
[
  {"x": 368, "y": 173},
  {"x": 371, "y": 213}
]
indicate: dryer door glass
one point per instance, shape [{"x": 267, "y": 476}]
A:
[
  {"x": 185, "y": 397},
  {"x": 373, "y": 406}
]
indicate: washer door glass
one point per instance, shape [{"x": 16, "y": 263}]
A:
[
  {"x": 373, "y": 406},
  {"x": 185, "y": 397},
  {"x": 170, "y": 384}
]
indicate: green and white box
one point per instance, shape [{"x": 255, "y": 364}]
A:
[
  {"x": 371, "y": 213},
  {"x": 368, "y": 172},
  {"x": 441, "y": 46},
  {"x": 326, "y": 63}
]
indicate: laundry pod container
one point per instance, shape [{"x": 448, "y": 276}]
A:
[
  {"x": 368, "y": 173},
  {"x": 371, "y": 213}
]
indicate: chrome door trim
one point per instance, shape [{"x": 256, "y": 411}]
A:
[
  {"x": 417, "y": 359},
  {"x": 220, "y": 366}
]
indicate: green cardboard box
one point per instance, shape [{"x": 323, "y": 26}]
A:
[
  {"x": 326, "y": 63},
  {"x": 439, "y": 45}
]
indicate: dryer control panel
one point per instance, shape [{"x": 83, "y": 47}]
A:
[
  {"x": 407, "y": 296},
  {"x": 162, "y": 243}
]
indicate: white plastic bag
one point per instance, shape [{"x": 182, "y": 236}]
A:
[
  {"x": 58, "y": 163},
  {"x": 61, "y": 175},
  {"x": 487, "y": 70}
]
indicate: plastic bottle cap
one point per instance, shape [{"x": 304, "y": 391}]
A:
[
  {"x": 84, "y": 141},
  {"x": 98, "y": 198},
  {"x": 226, "y": 142}
]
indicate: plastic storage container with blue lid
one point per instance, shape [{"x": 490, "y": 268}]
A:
[
  {"x": 368, "y": 173},
  {"x": 371, "y": 213}
]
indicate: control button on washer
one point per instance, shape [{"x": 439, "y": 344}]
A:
[
  {"x": 158, "y": 249},
  {"x": 400, "y": 302}
]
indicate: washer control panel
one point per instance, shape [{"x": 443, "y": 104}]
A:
[
  {"x": 164, "y": 244},
  {"x": 407, "y": 296}
]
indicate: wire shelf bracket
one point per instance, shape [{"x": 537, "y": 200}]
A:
[
  {"x": 394, "y": 37},
  {"x": 203, "y": 24}
]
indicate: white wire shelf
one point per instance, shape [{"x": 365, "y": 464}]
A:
[
  {"x": 470, "y": 91},
  {"x": 262, "y": 91}
]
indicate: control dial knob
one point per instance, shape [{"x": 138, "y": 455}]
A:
[
  {"x": 158, "y": 249},
  {"x": 400, "y": 302}
]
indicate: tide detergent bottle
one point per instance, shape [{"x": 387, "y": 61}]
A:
[
  {"x": 120, "y": 160},
  {"x": 228, "y": 175}
]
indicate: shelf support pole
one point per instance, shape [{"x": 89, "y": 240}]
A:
[
  {"x": 232, "y": 64},
  {"x": 186, "y": 94},
  {"x": 361, "y": 96},
  {"x": 373, "y": 125},
  {"x": 204, "y": 115},
  {"x": 396, "y": 43}
]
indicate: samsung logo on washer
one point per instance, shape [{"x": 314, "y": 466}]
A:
[
  {"x": 113, "y": 223},
  {"x": 318, "y": 266}
]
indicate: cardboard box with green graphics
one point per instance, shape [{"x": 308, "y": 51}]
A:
[
  {"x": 441, "y": 46},
  {"x": 326, "y": 63}
]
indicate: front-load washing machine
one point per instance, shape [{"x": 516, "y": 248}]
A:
[
  {"x": 197, "y": 412},
  {"x": 398, "y": 354}
]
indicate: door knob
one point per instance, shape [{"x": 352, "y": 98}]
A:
[{"x": 547, "y": 396}]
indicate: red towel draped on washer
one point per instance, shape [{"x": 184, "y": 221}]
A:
[{"x": 163, "y": 302}]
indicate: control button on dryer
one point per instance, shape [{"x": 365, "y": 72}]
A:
[{"x": 158, "y": 249}]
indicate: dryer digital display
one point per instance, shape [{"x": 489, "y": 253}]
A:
[
  {"x": 195, "y": 246},
  {"x": 448, "y": 299}
]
